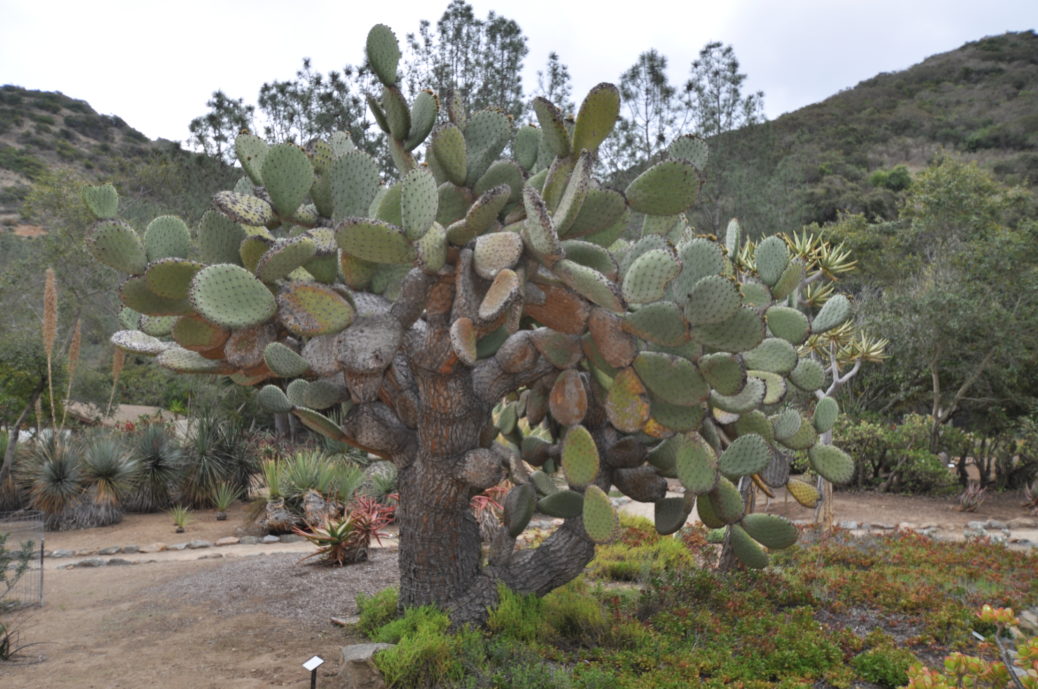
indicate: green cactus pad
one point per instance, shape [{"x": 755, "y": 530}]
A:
[
  {"x": 135, "y": 294},
  {"x": 538, "y": 231},
  {"x": 352, "y": 184},
  {"x": 519, "y": 507},
  {"x": 690, "y": 148},
  {"x": 482, "y": 214},
  {"x": 322, "y": 394},
  {"x": 641, "y": 484},
  {"x": 186, "y": 361},
  {"x": 727, "y": 501},
  {"x": 555, "y": 134},
  {"x": 197, "y": 334},
  {"x": 809, "y": 375},
  {"x": 580, "y": 460},
  {"x": 283, "y": 361},
  {"x": 544, "y": 484},
  {"x": 590, "y": 284},
  {"x": 627, "y": 405},
  {"x": 804, "y": 493},
  {"x": 596, "y": 117},
  {"x": 770, "y": 530},
  {"x": 776, "y": 474},
  {"x": 247, "y": 210},
  {"x": 398, "y": 115},
  {"x": 503, "y": 292},
  {"x": 647, "y": 278},
  {"x": 601, "y": 521},
  {"x": 496, "y": 252},
  {"x": 310, "y": 309},
  {"x": 129, "y": 319},
  {"x": 252, "y": 249},
  {"x": 563, "y": 504},
  {"x": 773, "y": 354},
  {"x": 833, "y": 313},
  {"x": 383, "y": 53},
  {"x": 231, "y": 296},
  {"x": 662, "y": 224},
  {"x": 662, "y": 323},
  {"x": 788, "y": 323},
  {"x": 219, "y": 238},
  {"x": 747, "y": 399},
  {"x": 419, "y": 200},
  {"x": 250, "y": 151},
  {"x": 137, "y": 342},
  {"x": 667, "y": 188},
  {"x": 285, "y": 256},
  {"x": 502, "y": 172},
  {"x": 601, "y": 209},
  {"x": 671, "y": 378},
  {"x": 526, "y": 145},
  {"x": 373, "y": 240},
  {"x": 609, "y": 235},
  {"x": 733, "y": 237},
  {"x": 159, "y": 326},
  {"x": 487, "y": 132},
  {"x": 772, "y": 257},
  {"x": 287, "y": 175},
  {"x": 670, "y": 514},
  {"x": 804, "y": 438},
  {"x": 708, "y": 513},
  {"x": 826, "y": 412},
  {"x": 432, "y": 249},
  {"x": 116, "y": 244},
  {"x": 296, "y": 391},
  {"x": 535, "y": 451},
  {"x": 318, "y": 423},
  {"x": 675, "y": 417},
  {"x": 273, "y": 399},
  {"x": 714, "y": 299},
  {"x": 572, "y": 199},
  {"x": 755, "y": 294},
  {"x": 699, "y": 258},
  {"x": 786, "y": 424},
  {"x": 748, "y": 454},
  {"x": 724, "y": 372},
  {"x": 170, "y": 278},
  {"x": 695, "y": 463},
  {"x": 568, "y": 399},
  {"x": 755, "y": 422},
  {"x": 592, "y": 256},
  {"x": 831, "y": 463},
  {"x": 102, "y": 200},
  {"x": 746, "y": 549},
  {"x": 740, "y": 333},
  {"x": 448, "y": 147},
  {"x": 563, "y": 350},
  {"x": 424, "y": 109},
  {"x": 791, "y": 278},
  {"x": 775, "y": 387},
  {"x": 643, "y": 245}
]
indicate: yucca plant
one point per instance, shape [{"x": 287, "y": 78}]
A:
[
  {"x": 181, "y": 515},
  {"x": 160, "y": 462},
  {"x": 272, "y": 478},
  {"x": 205, "y": 464},
  {"x": 223, "y": 496},
  {"x": 52, "y": 475},
  {"x": 345, "y": 540},
  {"x": 108, "y": 474}
]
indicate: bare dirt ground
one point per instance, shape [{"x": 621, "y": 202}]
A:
[{"x": 245, "y": 620}]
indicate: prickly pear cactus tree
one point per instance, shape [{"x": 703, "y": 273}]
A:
[{"x": 482, "y": 309}]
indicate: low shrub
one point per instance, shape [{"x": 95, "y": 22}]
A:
[{"x": 886, "y": 666}]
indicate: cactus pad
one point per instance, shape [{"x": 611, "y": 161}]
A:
[
  {"x": 770, "y": 530},
  {"x": 748, "y": 454},
  {"x": 601, "y": 522},
  {"x": 676, "y": 418},
  {"x": 285, "y": 256},
  {"x": 825, "y": 414},
  {"x": 600, "y": 211},
  {"x": 740, "y": 333},
  {"x": 727, "y": 501},
  {"x": 580, "y": 460},
  {"x": 568, "y": 399},
  {"x": 773, "y": 354},
  {"x": 596, "y": 117},
  {"x": 667, "y": 188},
  {"x": 538, "y": 231},
  {"x": 786, "y": 424},
  {"x": 318, "y": 423},
  {"x": 713, "y": 299},
  {"x": 496, "y": 252},
  {"x": 273, "y": 399},
  {"x": 647, "y": 278},
  {"x": 352, "y": 184},
  {"x": 250, "y": 151},
  {"x": 670, "y": 514},
  {"x": 137, "y": 342},
  {"x": 562, "y": 504},
  {"x": 590, "y": 284},
  {"x": 287, "y": 175},
  {"x": 661, "y": 323},
  {"x": 695, "y": 463},
  {"x": 724, "y": 372},
  {"x": 772, "y": 257},
  {"x": 135, "y": 294},
  {"x": 374, "y": 240},
  {"x": 231, "y": 296},
  {"x": 831, "y": 463},
  {"x": 671, "y": 378},
  {"x": 627, "y": 405},
  {"x": 102, "y": 200},
  {"x": 788, "y": 323},
  {"x": 186, "y": 361},
  {"x": 309, "y": 309},
  {"x": 805, "y": 437},
  {"x": 746, "y": 549},
  {"x": 244, "y": 209},
  {"x": 197, "y": 334},
  {"x": 690, "y": 148},
  {"x": 419, "y": 201},
  {"x": 283, "y": 361},
  {"x": 790, "y": 279},
  {"x": 804, "y": 493},
  {"x": 116, "y": 244},
  {"x": 809, "y": 375},
  {"x": 833, "y": 313},
  {"x": 519, "y": 506},
  {"x": 383, "y": 53},
  {"x": 219, "y": 238}
]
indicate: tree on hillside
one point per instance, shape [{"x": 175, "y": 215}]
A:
[
  {"x": 713, "y": 93},
  {"x": 469, "y": 316},
  {"x": 553, "y": 84},
  {"x": 214, "y": 132}
]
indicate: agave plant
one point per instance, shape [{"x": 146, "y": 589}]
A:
[
  {"x": 345, "y": 540},
  {"x": 972, "y": 498},
  {"x": 160, "y": 462},
  {"x": 1031, "y": 496},
  {"x": 181, "y": 515},
  {"x": 223, "y": 496}
]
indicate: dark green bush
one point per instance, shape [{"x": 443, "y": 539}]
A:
[{"x": 886, "y": 666}]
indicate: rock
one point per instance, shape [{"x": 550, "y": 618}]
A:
[
  {"x": 277, "y": 517},
  {"x": 883, "y": 527},
  {"x": 850, "y": 526},
  {"x": 929, "y": 526},
  {"x": 997, "y": 538},
  {"x": 1029, "y": 620},
  {"x": 116, "y": 561},
  {"x": 906, "y": 526},
  {"x": 976, "y": 526},
  {"x": 317, "y": 510},
  {"x": 358, "y": 667},
  {"x": 152, "y": 548},
  {"x": 227, "y": 540},
  {"x": 270, "y": 539},
  {"x": 91, "y": 562},
  {"x": 249, "y": 540},
  {"x": 130, "y": 549},
  {"x": 195, "y": 545},
  {"x": 111, "y": 550},
  {"x": 211, "y": 556},
  {"x": 994, "y": 524},
  {"x": 1022, "y": 523},
  {"x": 62, "y": 553},
  {"x": 291, "y": 538},
  {"x": 177, "y": 546},
  {"x": 972, "y": 534}
]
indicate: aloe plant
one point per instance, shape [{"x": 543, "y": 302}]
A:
[
  {"x": 484, "y": 307},
  {"x": 181, "y": 515},
  {"x": 223, "y": 496}
]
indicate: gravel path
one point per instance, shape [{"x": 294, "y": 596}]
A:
[{"x": 280, "y": 585}]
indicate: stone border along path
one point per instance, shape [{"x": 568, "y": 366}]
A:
[{"x": 1020, "y": 533}]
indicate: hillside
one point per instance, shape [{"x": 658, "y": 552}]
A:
[{"x": 978, "y": 102}]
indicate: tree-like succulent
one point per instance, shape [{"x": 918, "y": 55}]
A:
[{"x": 397, "y": 316}]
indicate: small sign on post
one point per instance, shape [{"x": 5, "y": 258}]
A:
[{"x": 312, "y": 665}]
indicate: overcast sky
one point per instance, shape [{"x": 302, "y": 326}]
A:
[{"x": 156, "y": 64}]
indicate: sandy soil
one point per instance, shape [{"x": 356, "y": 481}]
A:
[{"x": 249, "y": 620}]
